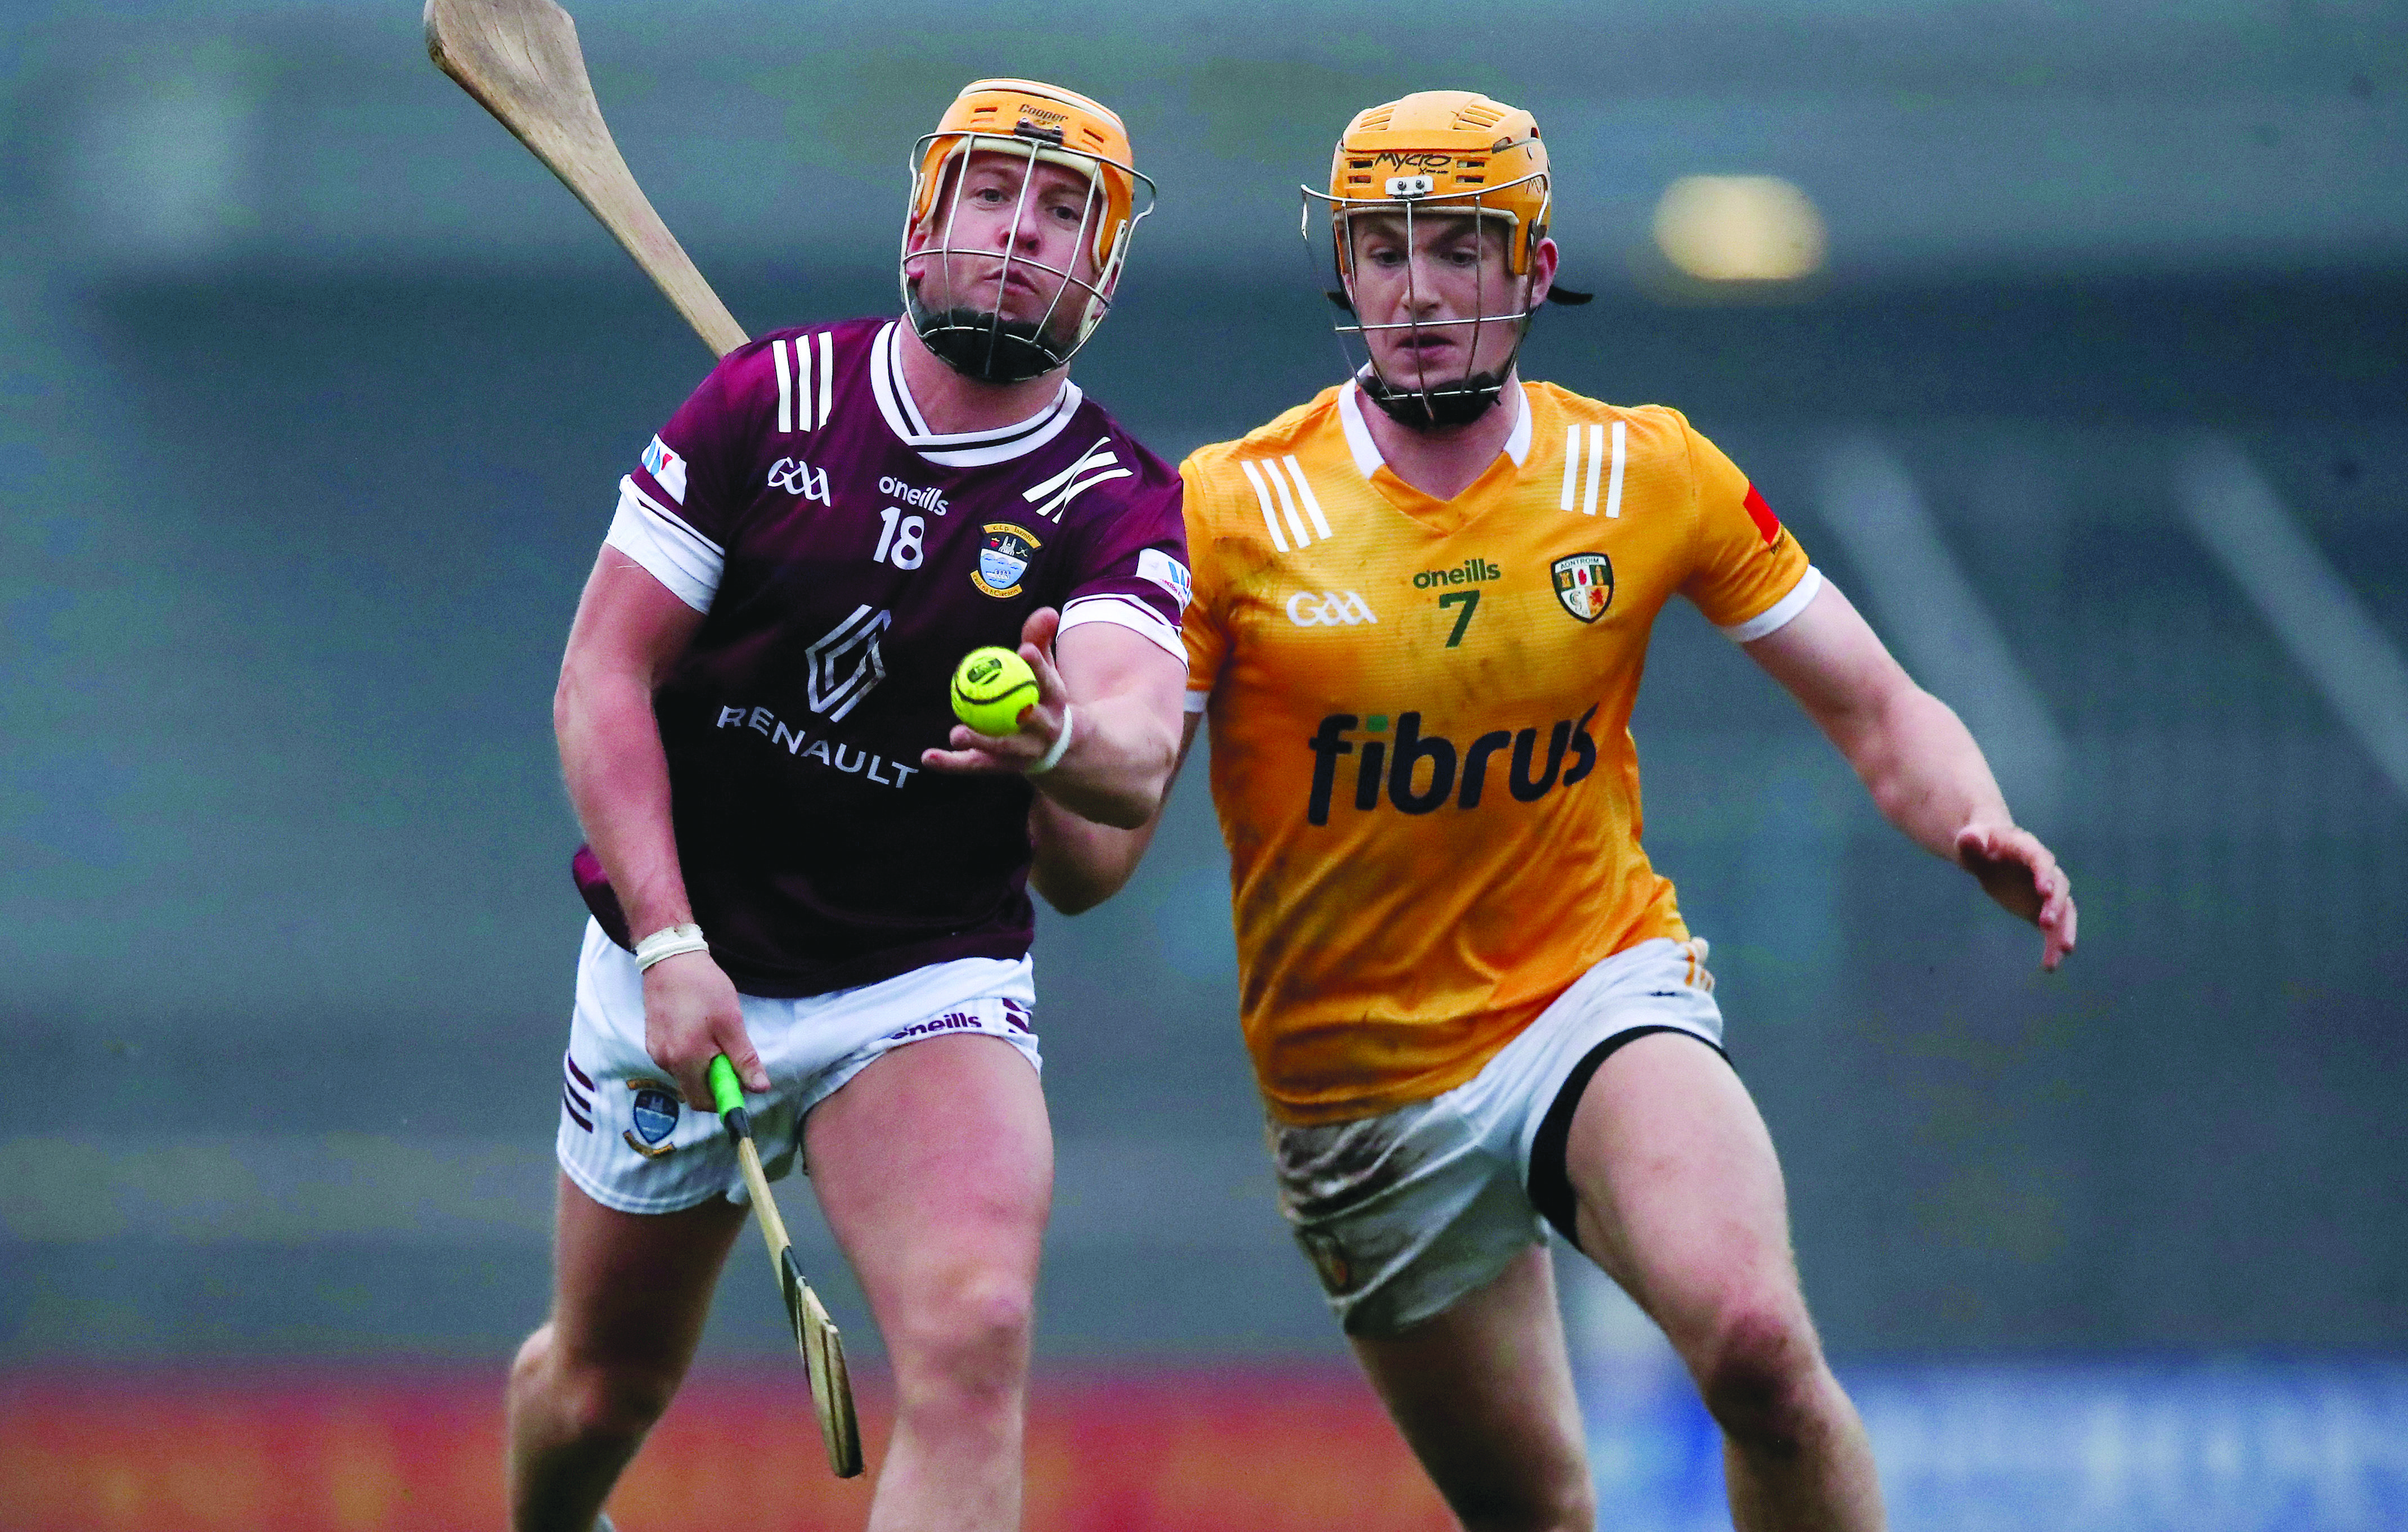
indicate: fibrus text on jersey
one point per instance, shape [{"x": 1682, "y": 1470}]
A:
[
  {"x": 1467, "y": 787},
  {"x": 828, "y": 752}
]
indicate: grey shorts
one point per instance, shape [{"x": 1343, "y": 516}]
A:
[{"x": 1404, "y": 1214}]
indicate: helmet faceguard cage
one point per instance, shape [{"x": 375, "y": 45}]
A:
[
  {"x": 954, "y": 292},
  {"x": 1448, "y": 154}
]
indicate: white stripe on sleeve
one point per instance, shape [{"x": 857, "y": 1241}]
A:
[
  {"x": 1125, "y": 611},
  {"x": 677, "y": 523},
  {"x": 1596, "y": 461},
  {"x": 1263, "y": 494},
  {"x": 674, "y": 554},
  {"x": 1613, "y": 484},
  {"x": 1287, "y": 505},
  {"x": 827, "y": 371},
  {"x": 1774, "y": 618},
  {"x": 1304, "y": 490}
]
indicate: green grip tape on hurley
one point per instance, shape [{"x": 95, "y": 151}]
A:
[{"x": 724, "y": 1088}]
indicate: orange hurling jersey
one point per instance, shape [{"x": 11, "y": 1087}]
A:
[{"x": 1419, "y": 713}]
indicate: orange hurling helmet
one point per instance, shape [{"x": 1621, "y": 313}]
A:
[
  {"x": 1440, "y": 153},
  {"x": 1039, "y": 123}
]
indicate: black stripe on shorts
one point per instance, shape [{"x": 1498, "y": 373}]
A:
[{"x": 1551, "y": 1183}]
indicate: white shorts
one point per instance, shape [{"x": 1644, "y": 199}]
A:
[
  {"x": 629, "y": 1141},
  {"x": 1404, "y": 1214}
]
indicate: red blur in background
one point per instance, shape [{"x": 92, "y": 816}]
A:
[{"x": 326, "y": 1449}]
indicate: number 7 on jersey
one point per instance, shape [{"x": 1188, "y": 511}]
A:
[{"x": 1470, "y": 602}]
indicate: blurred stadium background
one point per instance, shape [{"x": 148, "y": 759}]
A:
[{"x": 2072, "y": 341}]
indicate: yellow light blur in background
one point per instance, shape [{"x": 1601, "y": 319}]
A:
[{"x": 1738, "y": 229}]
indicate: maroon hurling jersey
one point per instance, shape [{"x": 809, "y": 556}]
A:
[{"x": 845, "y": 558}]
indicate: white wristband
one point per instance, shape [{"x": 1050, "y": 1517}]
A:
[
  {"x": 1053, "y": 757},
  {"x": 669, "y": 941}
]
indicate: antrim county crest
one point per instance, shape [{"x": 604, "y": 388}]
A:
[
  {"x": 1584, "y": 585},
  {"x": 1003, "y": 558}
]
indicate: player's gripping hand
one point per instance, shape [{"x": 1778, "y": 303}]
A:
[
  {"x": 691, "y": 1014},
  {"x": 2019, "y": 872},
  {"x": 1041, "y": 723}
]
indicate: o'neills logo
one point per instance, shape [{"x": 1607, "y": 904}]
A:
[
  {"x": 952, "y": 1021},
  {"x": 1422, "y": 773},
  {"x": 1466, "y": 573},
  {"x": 914, "y": 496}
]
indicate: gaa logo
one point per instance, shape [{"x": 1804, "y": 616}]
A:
[
  {"x": 796, "y": 477},
  {"x": 1328, "y": 609}
]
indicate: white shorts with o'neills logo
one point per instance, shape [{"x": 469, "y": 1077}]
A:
[{"x": 630, "y": 1142}]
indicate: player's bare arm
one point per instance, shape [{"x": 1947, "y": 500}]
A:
[
  {"x": 1080, "y": 863},
  {"x": 629, "y": 630},
  {"x": 1116, "y": 696},
  {"x": 1918, "y": 759}
]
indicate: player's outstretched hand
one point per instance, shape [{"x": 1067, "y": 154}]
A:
[
  {"x": 2020, "y": 873},
  {"x": 1040, "y": 722},
  {"x": 691, "y": 1014}
]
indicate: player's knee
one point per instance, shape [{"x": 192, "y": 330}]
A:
[
  {"x": 533, "y": 1361},
  {"x": 1759, "y": 1375},
  {"x": 973, "y": 1342},
  {"x": 535, "y": 1373},
  {"x": 1567, "y": 1505},
  {"x": 612, "y": 1404},
  {"x": 592, "y": 1401}
]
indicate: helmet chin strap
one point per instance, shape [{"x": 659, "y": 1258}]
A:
[
  {"x": 983, "y": 345},
  {"x": 1458, "y": 403},
  {"x": 1421, "y": 407}
]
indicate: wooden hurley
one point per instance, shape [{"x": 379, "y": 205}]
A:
[{"x": 519, "y": 59}]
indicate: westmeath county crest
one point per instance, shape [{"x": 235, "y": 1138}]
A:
[
  {"x": 1003, "y": 558},
  {"x": 655, "y": 1113},
  {"x": 1584, "y": 585}
]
